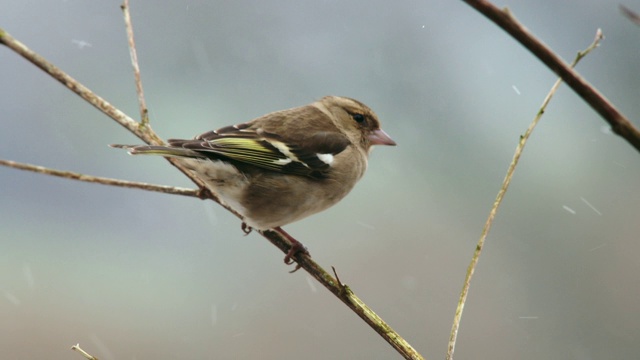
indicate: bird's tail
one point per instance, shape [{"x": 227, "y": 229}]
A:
[{"x": 167, "y": 151}]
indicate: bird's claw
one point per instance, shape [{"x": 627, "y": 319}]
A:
[
  {"x": 246, "y": 229},
  {"x": 204, "y": 193},
  {"x": 296, "y": 248}
]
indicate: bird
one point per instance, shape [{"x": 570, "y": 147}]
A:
[{"x": 283, "y": 166}]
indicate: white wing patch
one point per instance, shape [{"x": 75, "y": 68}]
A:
[
  {"x": 282, "y": 161},
  {"x": 325, "y": 158},
  {"x": 284, "y": 149}
]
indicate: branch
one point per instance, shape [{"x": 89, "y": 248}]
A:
[
  {"x": 100, "y": 180},
  {"x": 503, "y": 190},
  {"x": 342, "y": 291},
  {"x": 503, "y": 18},
  {"x": 88, "y": 356},
  {"x": 144, "y": 132},
  {"x": 144, "y": 111},
  {"x": 630, "y": 14},
  {"x": 339, "y": 289},
  {"x": 81, "y": 90}
]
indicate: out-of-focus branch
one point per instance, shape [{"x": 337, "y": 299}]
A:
[
  {"x": 503, "y": 18},
  {"x": 630, "y": 14}
]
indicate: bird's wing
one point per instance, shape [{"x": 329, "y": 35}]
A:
[{"x": 310, "y": 156}]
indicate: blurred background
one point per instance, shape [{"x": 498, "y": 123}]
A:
[{"x": 137, "y": 275}]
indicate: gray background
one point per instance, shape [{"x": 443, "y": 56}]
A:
[{"x": 136, "y": 275}]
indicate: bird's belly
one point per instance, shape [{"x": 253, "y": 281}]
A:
[{"x": 276, "y": 200}]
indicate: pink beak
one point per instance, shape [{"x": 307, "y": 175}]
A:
[{"x": 379, "y": 137}]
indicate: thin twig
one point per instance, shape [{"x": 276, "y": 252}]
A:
[
  {"x": 77, "y": 348},
  {"x": 144, "y": 111},
  {"x": 142, "y": 104},
  {"x": 494, "y": 209},
  {"x": 146, "y": 134},
  {"x": 100, "y": 180},
  {"x": 503, "y": 18}
]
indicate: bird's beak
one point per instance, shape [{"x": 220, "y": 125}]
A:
[{"x": 379, "y": 137}]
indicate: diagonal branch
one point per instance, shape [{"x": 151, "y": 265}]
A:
[
  {"x": 343, "y": 292},
  {"x": 81, "y": 90},
  {"x": 144, "y": 132},
  {"x": 83, "y": 353},
  {"x": 630, "y": 14},
  {"x": 503, "y": 18}
]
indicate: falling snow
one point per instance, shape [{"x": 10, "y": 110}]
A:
[
  {"x": 28, "y": 276},
  {"x": 81, "y": 44},
  {"x": 365, "y": 225},
  {"x": 591, "y": 206},
  {"x": 214, "y": 314},
  {"x": 101, "y": 347},
  {"x": 12, "y": 298},
  {"x": 312, "y": 286},
  {"x": 598, "y": 247},
  {"x": 606, "y": 129}
]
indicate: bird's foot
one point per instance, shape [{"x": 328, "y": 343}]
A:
[
  {"x": 246, "y": 229},
  {"x": 296, "y": 248},
  {"x": 204, "y": 194}
]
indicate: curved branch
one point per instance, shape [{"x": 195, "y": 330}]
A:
[{"x": 503, "y": 18}]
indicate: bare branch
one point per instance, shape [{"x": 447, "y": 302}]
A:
[
  {"x": 335, "y": 286},
  {"x": 630, "y": 14},
  {"x": 81, "y": 90},
  {"x": 503, "y": 190},
  {"x": 346, "y": 295},
  {"x": 77, "y": 348},
  {"x": 144, "y": 111},
  {"x": 503, "y": 18},
  {"x": 100, "y": 180},
  {"x": 144, "y": 132}
]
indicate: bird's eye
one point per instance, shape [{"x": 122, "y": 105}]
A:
[{"x": 358, "y": 118}]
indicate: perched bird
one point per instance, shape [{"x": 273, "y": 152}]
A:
[{"x": 282, "y": 166}]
